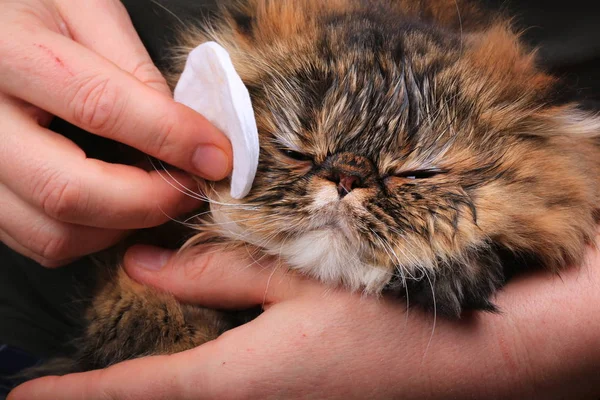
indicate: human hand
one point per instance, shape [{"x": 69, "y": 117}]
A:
[
  {"x": 86, "y": 64},
  {"x": 315, "y": 342}
]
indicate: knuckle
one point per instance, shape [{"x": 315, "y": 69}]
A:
[
  {"x": 95, "y": 104},
  {"x": 163, "y": 141},
  {"x": 51, "y": 263},
  {"x": 59, "y": 196},
  {"x": 197, "y": 266},
  {"x": 52, "y": 249},
  {"x": 147, "y": 72},
  {"x": 150, "y": 216}
]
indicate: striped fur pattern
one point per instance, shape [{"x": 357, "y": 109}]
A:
[{"x": 462, "y": 157}]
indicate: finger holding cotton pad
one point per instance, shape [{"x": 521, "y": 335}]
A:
[{"x": 210, "y": 85}]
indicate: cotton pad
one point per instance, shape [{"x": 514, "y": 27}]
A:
[{"x": 210, "y": 85}]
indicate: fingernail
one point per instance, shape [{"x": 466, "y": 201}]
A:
[
  {"x": 151, "y": 258},
  {"x": 211, "y": 162}
]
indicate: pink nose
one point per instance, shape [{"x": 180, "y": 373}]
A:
[{"x": 346, "y": 183}]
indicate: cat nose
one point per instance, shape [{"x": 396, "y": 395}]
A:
[
  {"x": 345, "y": 182},
  {"x": 348, "y": 171}
]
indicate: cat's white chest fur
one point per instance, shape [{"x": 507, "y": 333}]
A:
[{"x": 328, "y": 256}]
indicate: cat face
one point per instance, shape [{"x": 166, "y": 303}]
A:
[{"x": 404, "y": 154}]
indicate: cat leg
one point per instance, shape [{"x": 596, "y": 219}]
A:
[{"x": 128, "y": 320}]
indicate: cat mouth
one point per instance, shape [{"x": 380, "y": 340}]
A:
[
  {"x": 336, "y": 223},
  {"x": 335, "y": 215}
]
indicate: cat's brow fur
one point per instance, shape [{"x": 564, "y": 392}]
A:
[{"x": 377, "y": 89}]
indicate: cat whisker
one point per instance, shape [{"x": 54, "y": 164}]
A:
[
  {"x": 245, "y": 238},
  {"x": 255, "y": 261},
  {"x": 196, "y": 216},
  {"x": 235, "y": 221},
  {"x": 460, "y": 24},
  {"x": 240, "y": 206},
  {"x": 279, "y": 265},
  {"x": 204, "y": 223},
  {"x": 198, "y": 196},
  {"x": 182, "y": 188},
  {"x": 391, "y": 255},
  {"x": 414, "y": 261},
  {"x": 169, "y": 12},
  {"x": 400, "y": 269},
  {"x": 434, "y": 318}
]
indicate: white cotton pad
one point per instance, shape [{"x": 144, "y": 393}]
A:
[{"x": 210, "y": 85}]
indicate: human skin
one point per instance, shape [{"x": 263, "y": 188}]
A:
[
  {"x": 87, "y": 65},
  {"x": 316, "y": 342}
]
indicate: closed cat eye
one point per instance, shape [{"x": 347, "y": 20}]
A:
[
  {"x": 420, "y": 173},
  {"x": 295, "y": 155}
]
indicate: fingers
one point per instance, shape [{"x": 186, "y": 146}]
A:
[
  {"x": 205, "y": 372},
  {"x": 16, "y": 246},
  {"x": 214, "y": 278},
  {"x": 52, "y": 174},
  {"x": 105, "y": 28},
  {"x": 47, "y": 241},
  {"x": 88, "y": 66},
  {"x": 150, "y": 378},
  {"x": 89, "y": 91}
]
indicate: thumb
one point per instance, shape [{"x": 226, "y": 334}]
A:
[
  {"x": 222, "y": 368},
  {"x": 218, "y": 279},
  {"x": 151, "y": 378}
]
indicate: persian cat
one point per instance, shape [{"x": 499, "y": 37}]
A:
[{"x": 409, "y": 147}]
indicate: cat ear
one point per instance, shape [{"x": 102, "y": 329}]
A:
[
  {"x": 572, "y": 121},
  {"x": 579, "y": 127},
  {"x": 566, "y": 120},
  {"x": 242, "y": 20}
]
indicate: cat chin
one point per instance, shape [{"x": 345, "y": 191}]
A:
[
  {"x": 328, "y": 256},
  {"x": 325, "y": 254}
]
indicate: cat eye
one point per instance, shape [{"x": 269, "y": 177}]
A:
[
  {"x": 295, "y": 155},
  {"x": 420, "y": 173}
]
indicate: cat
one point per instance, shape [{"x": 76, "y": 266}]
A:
[{"x": 408, "y": 147}]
